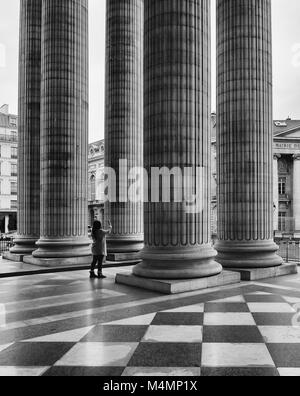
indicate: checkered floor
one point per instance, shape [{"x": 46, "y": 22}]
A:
[{"x": 255, "y": 333}]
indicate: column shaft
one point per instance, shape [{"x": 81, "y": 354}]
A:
[
  {"x": 296, "y": 193},
  {"x": 64, "y": 135},
  {"x": 244, "y": 134},
  {"x": 124, "y": 119},
  {"x": 29, "y": 127},
  {"x": 177, "y": 104}
]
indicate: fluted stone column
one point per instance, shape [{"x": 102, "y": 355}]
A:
[
  {"x": 177, "y": 104},
  {"x": 296, "y": 194},
  {"x": 124, "y": 122},
  {"x": 64, "y": 132},
  {"x": 244, "y": 125},
  {"x": 29, "y": 127}
]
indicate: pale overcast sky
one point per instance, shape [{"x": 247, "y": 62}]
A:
[{"x": 286, "y": 43}]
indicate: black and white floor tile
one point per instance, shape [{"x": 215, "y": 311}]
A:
[{"x": 67, "y": 325}]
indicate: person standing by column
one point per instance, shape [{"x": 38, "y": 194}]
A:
[{"x": 99, "y": 248}]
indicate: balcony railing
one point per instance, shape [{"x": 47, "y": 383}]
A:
[
  {"x": 5, "y": 244},
  {"x": 289, "y": 250}
]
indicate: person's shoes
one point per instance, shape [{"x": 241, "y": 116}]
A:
[
  {"x": 93, "y": 275},
  {"x": 101, "y": 276}
]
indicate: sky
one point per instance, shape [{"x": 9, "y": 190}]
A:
[{"x": 286, "y": 59}]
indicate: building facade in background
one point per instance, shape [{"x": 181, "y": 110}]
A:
[
  {"x": 96, "y": 181},
  {"x": 287, "y": 164},
  {"x": 8, "y": 170},
  {"x": 286, "y": 149}
]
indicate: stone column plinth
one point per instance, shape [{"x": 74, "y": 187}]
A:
[
  {"x": 296, "y": 194},
  {"x": 177, "y": 134},
  {"x": 64, "y": 132},
  {"x": 29, "y": 127},
  {"x": 244, "y": 135},
  {"x": 276, "y": 191},
  {"x": 124, "y": 122}
]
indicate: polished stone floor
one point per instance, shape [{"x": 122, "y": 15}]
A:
[
  {"x": 66, "y": 324},
  {"x": 12, "y": 269}
]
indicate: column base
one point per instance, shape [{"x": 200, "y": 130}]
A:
[
  {"x": 63, "y": 248},
  {"x": 124, "y": 244},
  {"x": 166, "y": 286},
  {"x": 58, "y": 262},
  {"x": 17, "y": 258},
  {"x": 124, "y": 249},
  {"x": 23, "y": 246},
  {"x": 249, "y": 254},
  {"x": 180, "y": 263},
  {"x": 254, "y": 274},
  {"x": 119, "y": 257}
]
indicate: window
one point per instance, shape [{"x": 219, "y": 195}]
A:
[
  {"x": 13, "y": 188},
  {"x": 282, "y": 186},
  {"x": 14, "y": 204},
  {"x": 14, "y": 135},
  {"x": 92, "y": 189},
  {"x": 14, "y": 170},
  {"x": 13, "y": 121},
  {"x": 282, "y": 221},
  {"x": 14, "y": 152}
]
